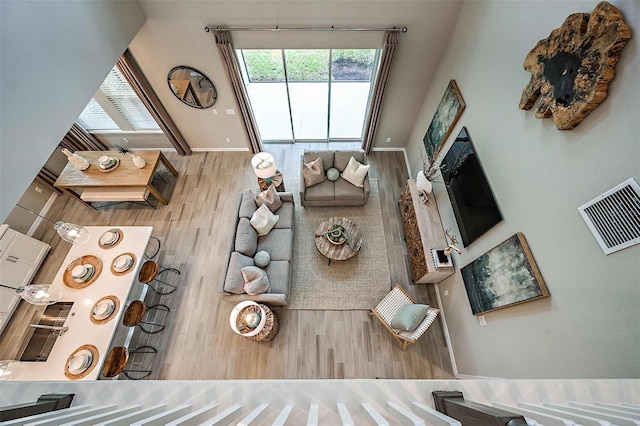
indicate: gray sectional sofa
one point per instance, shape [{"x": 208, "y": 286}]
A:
[
  {"x": 340, "y": 192},
  {"x": 246, "y": 242}
]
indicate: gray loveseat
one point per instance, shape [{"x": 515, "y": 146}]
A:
[
  {"x": 246, "y": 242},
  {"x": 340, "y": 192}
]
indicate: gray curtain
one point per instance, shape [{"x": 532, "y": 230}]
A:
[
  {"x": 134, "y": 75},
  {"x": 78, "y": 139},
  {"x": 49, "y": 177},
  {"x": 375, "y": 107},
  {"x": 230, "y": 61}
]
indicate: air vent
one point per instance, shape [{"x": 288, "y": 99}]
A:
[{"x": 614, "y": 217}]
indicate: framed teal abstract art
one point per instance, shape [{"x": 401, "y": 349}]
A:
[
  {"x": 447, "y": 114},
  {"x": 504, "y": 276}
]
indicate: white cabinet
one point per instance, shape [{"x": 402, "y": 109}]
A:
[
  {"x": 14, "y": 273},
  {"x": 20, "y": 258},
  {"x": 8, "y": 299}
]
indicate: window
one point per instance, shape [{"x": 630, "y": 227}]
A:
[
  {"x": 116, "y": 107},
  {"x": 309, "y": 94}
]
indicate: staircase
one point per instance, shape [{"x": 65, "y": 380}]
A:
[{"x": 326, "y": 402}]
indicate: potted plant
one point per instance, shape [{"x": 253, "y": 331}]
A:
[
  {"x": 429, "y": 173},
  {"x": 138, "y": 161}
]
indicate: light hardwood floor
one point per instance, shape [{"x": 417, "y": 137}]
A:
[{"x": 195, "y": 229}]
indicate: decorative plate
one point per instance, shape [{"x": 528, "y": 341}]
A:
[
  {"x": 126, "y": 271},
  {"x": 116, "y": 308},
  {"x": 90, "y": 259},
  {"x": 115, "y": 243},
  {"x": 83, "y": 373},
  {"x": 335, "y": 234},
  {"x": 112, "y": 168}
]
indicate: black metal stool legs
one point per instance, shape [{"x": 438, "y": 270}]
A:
[
  {"x": 144, "y": 350},
  {"x": 163, "y": 269},
  {"x": 155, "y": 253},
  {"x": 159, "y": 307},
  {"x": 140, "y": 350},
  {"x": 164, "y": 282}
]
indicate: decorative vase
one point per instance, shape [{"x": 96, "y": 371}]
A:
[
  {"x": 138, "y": 161},
  {"x": 76, "y": 161},
  {"x": 423, "y": 184}
]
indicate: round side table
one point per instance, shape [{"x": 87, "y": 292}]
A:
[
  {"x": 276, "y": 180},
  {"x": 266, "y": 329}
]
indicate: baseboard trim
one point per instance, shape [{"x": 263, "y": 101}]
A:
[
  {"x": 404, "y": 152},
  {"x": 220, "y": 149}
]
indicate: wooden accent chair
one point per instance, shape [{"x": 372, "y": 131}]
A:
[{"x": 390, "y": 305}]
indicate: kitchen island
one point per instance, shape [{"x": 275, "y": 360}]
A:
[{"x": 83, "y": 330}]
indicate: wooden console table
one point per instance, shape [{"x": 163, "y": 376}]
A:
[
  {"x": 126, "y": 176},
  {"x": 423, "y": 231}
]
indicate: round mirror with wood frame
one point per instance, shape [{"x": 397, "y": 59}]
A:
[{"x": 192, "y": 87}]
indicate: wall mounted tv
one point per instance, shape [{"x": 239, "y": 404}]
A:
[{"x": 473, "y": 203}]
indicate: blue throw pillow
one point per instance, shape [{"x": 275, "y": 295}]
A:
[
  {"x": 409, "y": 317},
  {"x": 262, "y": 259},
  {"x": 333, "y": 174}
]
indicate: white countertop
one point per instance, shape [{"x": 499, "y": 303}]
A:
[{"x": 82, "y": 331}]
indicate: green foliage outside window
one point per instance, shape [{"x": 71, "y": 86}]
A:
[{"x": 309, "y": 65}]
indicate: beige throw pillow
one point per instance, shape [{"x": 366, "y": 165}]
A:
[
  {"x": 269, "y": 197},
  {"x": 313, "y": 172},
  {"x": 355, "y": 172},
  {"x": 255, "y": 280},
  {"x": 263, "y": 220}
]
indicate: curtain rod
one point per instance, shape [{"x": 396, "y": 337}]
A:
[{"x": 277, "y": 28}]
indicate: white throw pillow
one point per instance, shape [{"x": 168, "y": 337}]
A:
[
  {"x": 263, "y": 220},
  {"x": 355, "y": 172}
]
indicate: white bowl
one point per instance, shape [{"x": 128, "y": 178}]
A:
[
  {"x": 122, "y": 263},
  {"x": 103, "y": 309},
  {"x": 104, "y": 159},
  {"x": 80, "y": 361},
  {"x": 79, "y": 271},
  {"x": 107, "y": 163},
  {"x": 108, "y": 237}
]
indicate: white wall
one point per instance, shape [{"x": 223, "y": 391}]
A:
[
  {"x": 55, "y": 54},
  {"x": 174, "y": 35},
  {"x": 590, "y": 326}
]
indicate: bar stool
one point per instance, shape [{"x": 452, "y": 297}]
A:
[
  {"x": 135, "y": 313},
  {"x": 117, "y": 358},
  {"x": 149, "y": 272},
  {"x": 155, "y": 253}
]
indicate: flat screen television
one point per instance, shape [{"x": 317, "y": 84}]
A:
[{"x": 473, "y": 202}]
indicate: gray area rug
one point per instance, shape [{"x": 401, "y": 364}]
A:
[{"x": 357, "y": 283}]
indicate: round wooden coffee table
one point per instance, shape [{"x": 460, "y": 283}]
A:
[{"x": 345, "y": 250}]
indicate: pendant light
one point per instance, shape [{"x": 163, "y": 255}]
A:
[
  {"x": 70, "y": 232},
  {"x": 38, "y": 294}
]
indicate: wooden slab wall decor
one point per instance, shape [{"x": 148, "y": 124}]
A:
[{"x": 572, "y": 68}]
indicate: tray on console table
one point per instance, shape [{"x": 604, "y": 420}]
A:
[{"x": 423, "y": 231}]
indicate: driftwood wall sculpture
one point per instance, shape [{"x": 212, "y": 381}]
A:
[{"x": 571, "y": 69}]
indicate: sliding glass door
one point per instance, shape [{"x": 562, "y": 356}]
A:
[{"x": 309, "y": 95}]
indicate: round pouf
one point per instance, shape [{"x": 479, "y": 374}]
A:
[
  {"x": 262, "y": 259},
  {"x": 333, "y": 174}
]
